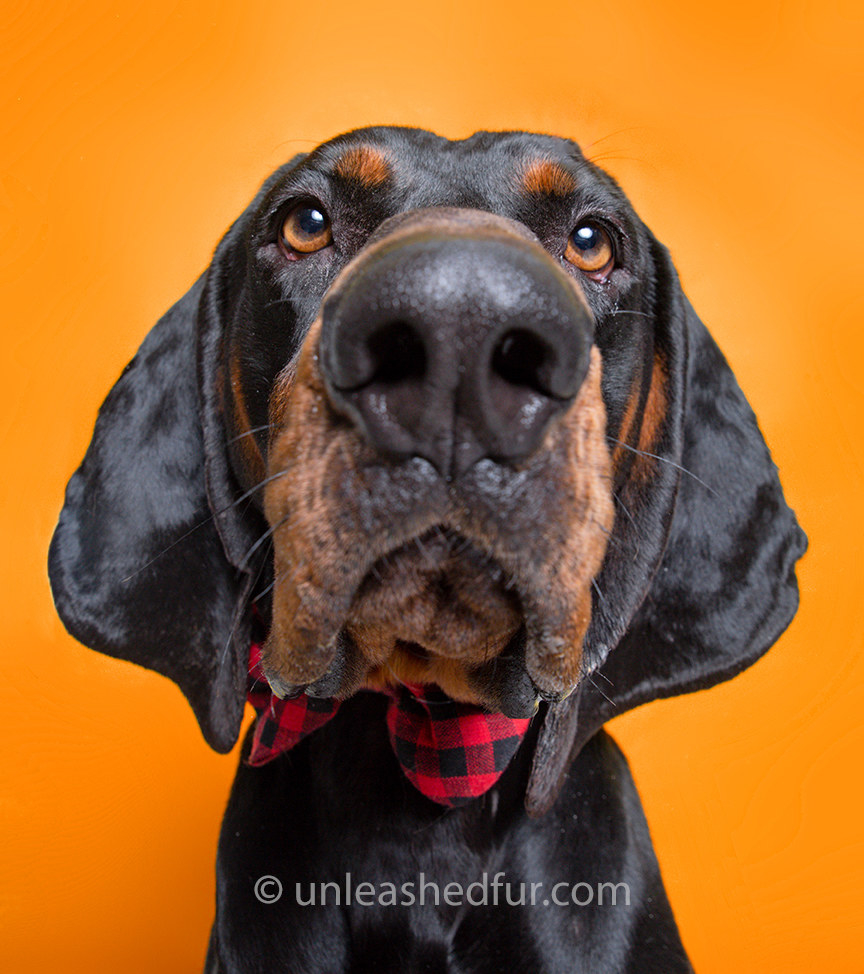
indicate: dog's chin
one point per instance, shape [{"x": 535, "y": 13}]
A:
[
  {"x": 440, "y": 591},
  {"x": 436, "y": 611}
]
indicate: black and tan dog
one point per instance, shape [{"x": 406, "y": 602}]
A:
[{"x": 437, "y": 415}]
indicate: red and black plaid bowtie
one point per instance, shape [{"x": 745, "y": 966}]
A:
[{"x": 452, "y": 752}]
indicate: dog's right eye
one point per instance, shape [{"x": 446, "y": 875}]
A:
[{"x": 306, "y": 229}]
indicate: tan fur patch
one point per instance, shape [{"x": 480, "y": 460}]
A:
[
  {"x": 628, "y": 422},
  {"x": 244, "y": 443},
  {"x": 545, "y": 176},
  {"x": 364, "y": 164},
  {"x": 653, "y": 417}
]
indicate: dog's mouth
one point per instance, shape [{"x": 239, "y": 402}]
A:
[
  {"x": 437, "y": 610},
  {"x": 433, "y": 611}
]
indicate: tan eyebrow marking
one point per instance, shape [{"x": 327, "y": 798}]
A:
[
  {"x": 545, "y": 176},
  {"x": 364, "y": 164}
]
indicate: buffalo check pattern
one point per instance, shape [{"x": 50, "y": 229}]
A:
[{"x": 452, "y": 752}]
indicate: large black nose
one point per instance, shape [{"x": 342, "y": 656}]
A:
[{"x": 455, "y": 346}]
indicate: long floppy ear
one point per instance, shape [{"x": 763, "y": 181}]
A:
[
  {"x": 146, "y": 561},
  {"x": 137, "y": 566},
  {"x": 724, "y": 589}
]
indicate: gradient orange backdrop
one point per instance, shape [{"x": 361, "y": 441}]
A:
[{"x": 134, "y": 134}]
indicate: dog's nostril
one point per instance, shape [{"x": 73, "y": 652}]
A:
[
  {"x": 397, "y": 353},
  {"x": 520, "y": 358}
]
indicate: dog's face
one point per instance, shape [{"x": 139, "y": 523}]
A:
[
  {"x": 439, "y": 413},
  {"x": 433, "y": 349}
]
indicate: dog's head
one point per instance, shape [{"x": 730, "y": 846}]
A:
[{"x": 441, "y": 411}]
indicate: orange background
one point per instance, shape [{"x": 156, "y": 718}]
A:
[{"x": 133, "y": 135}]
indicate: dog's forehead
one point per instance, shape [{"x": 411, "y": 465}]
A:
[
  {"x": 420, "y": 148},
  {"x": 428, "y": 169}
]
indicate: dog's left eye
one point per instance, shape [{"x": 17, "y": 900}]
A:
[
  {"x": 306, "y": 228},
  {"x": 590, "y": 249}
]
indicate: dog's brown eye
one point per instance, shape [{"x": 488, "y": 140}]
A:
[
  {"x": 590, "y": 249},
  {"x": 306, "y": 229}
]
